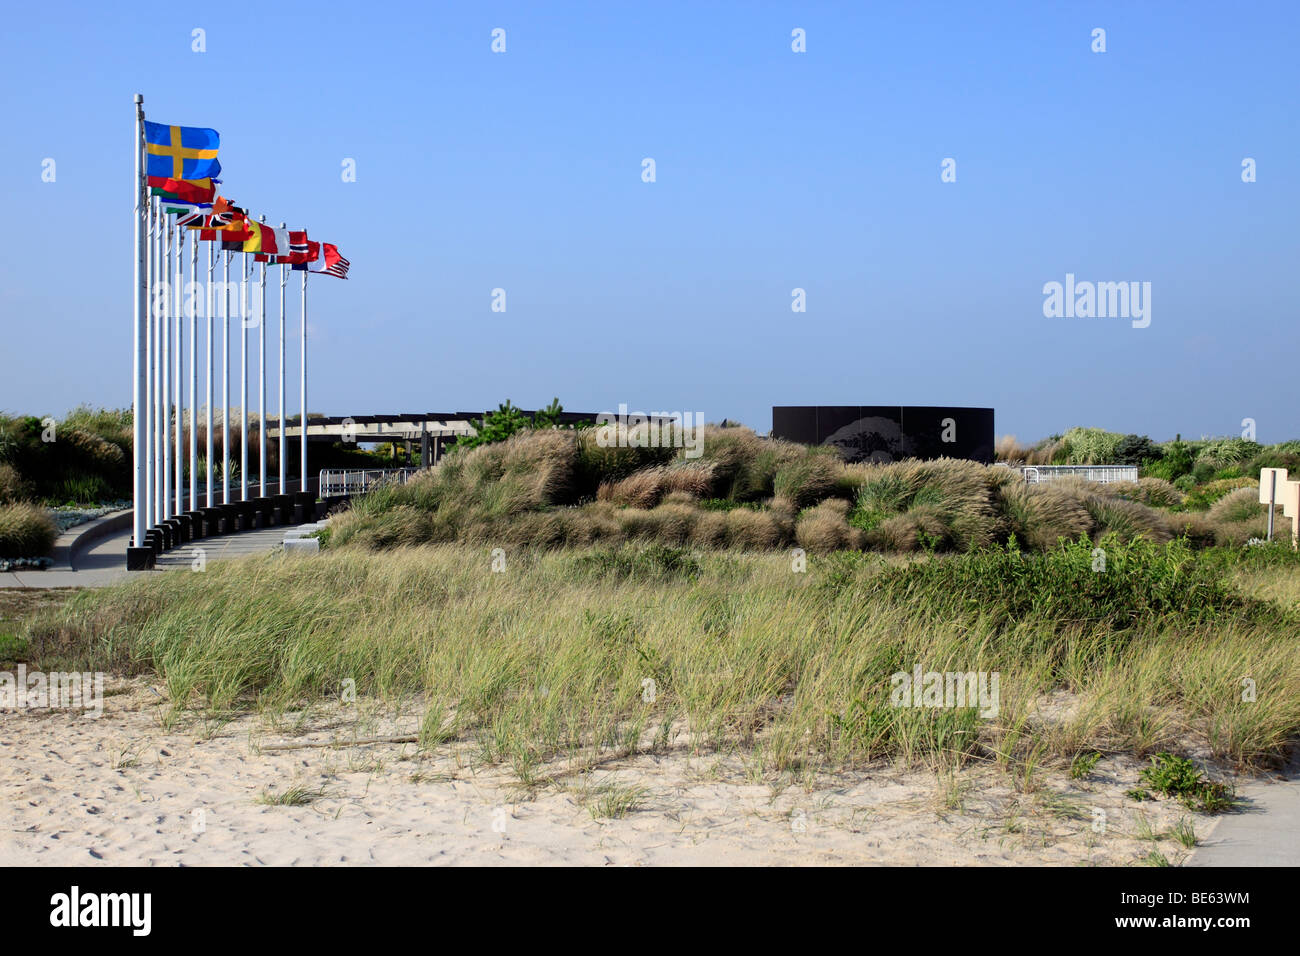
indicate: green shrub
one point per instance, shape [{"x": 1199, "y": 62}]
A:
[
  {"x": 1176, "y": 462},
  {"x": 76, "y": 452},
  {"x": 1203, "y": 471},
  {"x": 1178, "y": 777},
  {"x": 1140, "y": 582},
  {"x": 1090, "y": 446},
  {"x": 495, "y": 426},
  {"x": 1203, "y": 496},
  {"x": 1136, "y": 449}
]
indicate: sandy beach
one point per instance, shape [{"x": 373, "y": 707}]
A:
[{"x": 125, "y": 790}]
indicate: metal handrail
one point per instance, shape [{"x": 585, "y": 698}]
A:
[
  {"x": 341, "y": 482},
  {"x": 1101, "y": 474}
]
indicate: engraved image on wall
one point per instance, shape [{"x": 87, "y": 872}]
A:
[{"x": 886, "y": 433}]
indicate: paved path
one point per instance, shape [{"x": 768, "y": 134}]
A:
[
  {"x": 104, "y": 562},
  {"x": 1265, "y": 833}
]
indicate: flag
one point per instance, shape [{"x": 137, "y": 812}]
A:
[
  {"x": 298, "y": 251},
  {"x": 268, "y": 241},
  {"x": 190, "y": 220},
  {"x": 181, "y": 152},
  {"x": 214, "y": 229},
  {"x": 333, "y": 263},
  {"x": 300, "y": 248},
  {"x": 187, "y": 214},
  {"x": 327, "y": 260},
  {"x": 199, "y": 190},
  {"x": 225, "y": 216}
]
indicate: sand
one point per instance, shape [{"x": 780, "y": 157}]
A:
[{"x": 125, "y": 790}]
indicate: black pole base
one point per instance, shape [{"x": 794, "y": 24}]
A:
[{"x": 140, "y": 559}]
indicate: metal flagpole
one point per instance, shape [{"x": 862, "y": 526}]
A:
[
  {"x": 140, "y": 336},
  {"x": 150, "y": 447},
  {"x": 194, "y": 375},
  {"x": 284, "y": 280},
  {"x": 225, "y": 377},
  {"x": 157, "y": 309},
  {"x": 178, "y": 366},
  {"x": 243, "y": 385},
  {"x": 261, "y": 384},
  {"x": 165, "y": 320},
  {"x": 207, "y": 315},
  {"x": 302, "y": 396}
]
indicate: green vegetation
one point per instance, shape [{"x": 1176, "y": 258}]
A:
[
  {"x": 1084, "y": 764},
  {"x": 550, "y": 488},
  {"x": 296, "y": 796},
  {"x": 549, "y": 660},
  {"x": 1176, "y": 776},
  {"x": 26, "y": 531},
  {"x": 83, "y": 459},
  {"x": 508, "y": 420}
]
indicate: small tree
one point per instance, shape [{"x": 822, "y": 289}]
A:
[
  {"x": 549, "y": 417},
  {"x": 495, "y": 426}
]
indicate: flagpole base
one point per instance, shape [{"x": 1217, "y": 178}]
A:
[{"x": 140, "y": 559}]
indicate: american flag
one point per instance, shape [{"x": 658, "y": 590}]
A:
[
  {"x": 339, "y": 267},
  {"x": 321, "y": 257}
]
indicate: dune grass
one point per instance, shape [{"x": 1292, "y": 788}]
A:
[
  {"x": 550, "y": 488},
  {"x": 551, "y": 659},
  {"x": 26, "y": 531}
]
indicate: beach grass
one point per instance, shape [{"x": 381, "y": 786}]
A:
[{"x": 579, "y": 656}]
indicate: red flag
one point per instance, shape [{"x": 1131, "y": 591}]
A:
[
  {"x": 190, "y": 190},
  {"x": 331, "y": 263}
]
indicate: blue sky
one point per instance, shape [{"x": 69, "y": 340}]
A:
[{"x": 775, "y": 170}]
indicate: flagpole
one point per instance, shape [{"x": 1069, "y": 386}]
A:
[
  {"x": 157, "y": 309},
  {"x": 225, "y": 377},
  {"x": 178, "y": 366},
  {"x": 261, "y": 375},
  {"x": 207, "y": 315},
  {"x": 194, "y": 376},
  {"x": 302, "y": 387},
  {"x": 284, "y": 280},
  {"x": 243, "y": 385},
  {"x": 140, "y": 336},
  {"x": 165, "y": 320},
  {"x": 150, "y": 447}
]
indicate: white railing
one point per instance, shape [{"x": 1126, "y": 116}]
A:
[
  {"x": 335, "y": 482},
  {"x": 1102, "y": 474}
]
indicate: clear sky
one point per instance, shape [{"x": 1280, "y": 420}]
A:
[{"x": 774, "y": 170}]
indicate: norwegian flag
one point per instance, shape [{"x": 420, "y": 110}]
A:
[{"x": 298, "y": 251}]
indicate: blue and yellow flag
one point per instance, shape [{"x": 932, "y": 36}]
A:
[{"x": 181, "y": 152}]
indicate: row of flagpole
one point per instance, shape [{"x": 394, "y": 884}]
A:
[{"x": 159, "y": 368}]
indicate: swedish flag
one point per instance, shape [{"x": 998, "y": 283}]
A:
[{"x": 181, "y": 152}]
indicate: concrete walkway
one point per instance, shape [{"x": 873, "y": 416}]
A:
[
  {"x": 1267, "y": 830},
  {"x": 104, "y": 561}
]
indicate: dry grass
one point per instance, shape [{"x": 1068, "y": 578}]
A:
[
  {"x": 13, "y": 487},
  {"x": 551, "y": 488},
  {"x": 825, "y": 528},
  {"x": 792, "y": 670},
  {"x": 26, "y": 531}
]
